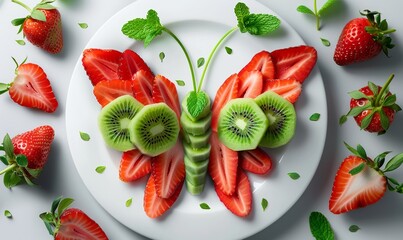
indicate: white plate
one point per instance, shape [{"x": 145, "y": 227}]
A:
[{"x": 199, "y": 24}]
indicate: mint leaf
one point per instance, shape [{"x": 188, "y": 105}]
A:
[
  {"x": 204, "y": 206},
  {"x": 20, "y": 42},
  {"x": 200, "y": 62},
  {"x": 241, "y": 11},
  {"x": 264, "y": 203},
  {"x": 100, "y": 169},
  {"x": 196, "y": 103},
  {"x": 85, "y": 136},
  {"x": 261, "y": 24},
  {"x": 8, "y": 214},
  {"x": 180, "y": 83},
  {"x": 293, "y": 175},
  {"x": 320, "y": 227},
  {"x": 326, "y": 6},
  {"x": 129, "y": 202},
  {"x": 353, "y": 228},
  {"x": 305, "y": 10},
  {"x": 325, "y": 42},
  {"x": 314, "y": 117},
  {"x": 83, "y": 25},
  {"x": 357, "y": 169},
  {"x": 161, "y": 56},
  {"x": 228, "y": 50}
]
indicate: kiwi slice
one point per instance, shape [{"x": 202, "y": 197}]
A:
[
  {"x": 201, "y": 97},
  {"x": 197, "y": 128},
  {"x": 196, "y": 167},
  {"x": 241, "y": 124},
  {"x": 282, "y": 119},
  {"x": 114, "y": 120},
  {"x": 197, "y": 154},
  {"x": 194, "y": 189},
  {"x": 199, "y": 141},
  {"x": 154, "y": 129}
]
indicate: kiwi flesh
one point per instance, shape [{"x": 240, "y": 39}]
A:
[
  {"x": 197, "y": 154},
  {"x": 114, "y": 120},
  {"x": 282, "y": 119},
  {"x": 154, "y": 129},
  {"x": 198, "y": 141},
  {"x": 241, "y": 124},
  {"x": 197, "y": 128},
  {"x": 204, "y": 112}
]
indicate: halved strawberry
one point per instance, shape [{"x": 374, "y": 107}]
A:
[
  {"x": 107, "y": 90},
  {"x": 143, "y": 86},
  {"x": 294, "y": 62},
  {"x": 240, "y": 202},
  {"x": 155, "y": 206},
  {"x": 168, "y": 171},
  {"x": 31, "y": 88},
  {"x": 250, "y": 84},
  {"x": 223, "y": 165},
  {"x": 262, "y": 62},
  {"x": 289, "y": 89},
  {"x": 129, "y": 63},
  {"x": 255, "y": 161},
  {"x": 227, "y": 91},
  {"x": 165, "y": 91},
  {"x": 134, "y": 165},
  {"x": 101, "y": 64}
]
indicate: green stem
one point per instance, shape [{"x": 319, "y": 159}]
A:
[
  {"x": 383, "y": 89},
  {"x": 10, "y": 167},
  {"x": 186, "y": 54},
  {"x": 212, "y": 54},
  {"x": 315, "y": 8},
  {"x": 22, "y": 4}
]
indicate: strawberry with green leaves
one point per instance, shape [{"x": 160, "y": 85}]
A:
[
  {"x": 43, "y": 27},
  {"x": 25, "y": 155},
  {"x": 373, "y": 107},
  {"x": 63, "y": 222},
  {"x": 360, "y": 181},
  {"x": 363, "y": 39}
]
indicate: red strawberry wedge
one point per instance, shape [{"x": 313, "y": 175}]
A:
[
  {"x": 354, "y": 191},
  {"x": 240, "y": 202},
  {"x": 31, "y": 88},
  {"x": 255, "y": 161},
  {"x": 294, "y": 62},
  {"x": 155, "y": 206},
  {"x": 101, "y": 64},
  {"x": 143, "y": 86},
  {"x": 107, "y": 90},
  {"x": 129, "y": 64},
  {"x": 134, "y": 165},
  {"x": 289, "y": 89},
  {"x": 261, "y": 62},
  {"x": 165, "y": 91},
  {"x": 168, "y": 171},
  {"x": 227, "y": 91},
  {"x": 250, "y": 84},
  {"x": 223, "y": 165}
]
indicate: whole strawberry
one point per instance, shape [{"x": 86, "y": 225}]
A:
[
  {"x": 31, "y": 88},
  {"x": 363, "y": 39},
  {"x": 70, "y": 223},
  {"x": 373, "y": 107},
  {"x": 43, "y": 27},
  {"x": 25, "y": 155},
  {"x": 360, "y": 181}
]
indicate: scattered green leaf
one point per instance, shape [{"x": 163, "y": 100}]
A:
[
  {"x": 325, "y": 42},
  {"x": 20, "y": 42},
  {"x": 353, "y": 228},
  {"x": 83, "y": 25},
  {"x": 204, "y": 206},
  {"x": 228, "y": 50},
  {"x": 180, "y": 83},
  {"x": 200, "y": 62},
  {"x": 293, "y": 175},
  {"x": 8, "y": 214},
  {"x": 314, "y": 117},
  {"x": 100, "y": 169},
  {"x": 129, "y": 202},
  {"x": 162, "y": 56},
  {"x": 320, "y": 227},
  {"x": 264, "y": 203},
  {"x": 85, "y": 136}
]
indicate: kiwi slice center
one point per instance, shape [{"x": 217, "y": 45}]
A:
[
  {"x": 241, "y": 123},
  {"x": 157, "y": 129},
  {"x": 124, "y": 123}
]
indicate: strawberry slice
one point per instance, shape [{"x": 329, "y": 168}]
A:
[
  {"x": 255, "y": 161},
  {"x": 261, "y": 62},
  {"x": 240, "y": 202},
  {"x": 168, "y": 170},
  {"x": 31, "y": 88},
  {"x": 227, "y": 91},
  {"x": 223, "y": 165},
  {"x": 250, "y": 84},
  {"x": 165, "y": 91},
  {"x": 289, "y": 89},
  {"x": 134, "y": 165},
  {"x": 294, "y": 62},
  {"x": 129, "y": 63},
  {"x": 155, "y": 206},
  {"x": 107, "y": 90},
  {"x": 75, "y": 224},
  {"x": 143, "y": 86},
  {"x": 353, "y": 191}
]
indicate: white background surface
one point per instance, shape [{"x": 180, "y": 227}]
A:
[{"x": 383, "y": 220}]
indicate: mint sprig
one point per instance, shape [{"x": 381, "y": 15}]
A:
[
  {"x": 317, "y": 13},
  {"x": 320, "y": 226}
]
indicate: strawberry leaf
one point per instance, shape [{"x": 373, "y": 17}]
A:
[
  {"x": 361, "y": 152},
  {"x": 367, "y": 120},
  {"x": 394, "y": 163},
  {"x": 8, "y": 146},
  {"x": 357, "y": 169},
  {"x": 21, "y": 160},
  {"x": 358, "y": 95},
  {"x": 351, "y": 149},
  {"x": 55, "y": 204},
  {"x": 18, "y": 21},
  {"x": 34, "y": 172},
  {"x": 320, "y": 226},
  {"x": 326, "y": 6},
  {"x": 38, "y": 15},
  {"x": 384, "y": 120},
  {"x": 63, "y": 205},
  {"x": 11, "y": 179},
  {"x": 196, "y": 102},
  {"x": 373, "y": 87},
  {"x": 305, "y": 10},
  {"x": 342, "y": 119},
  {"x": 380, "y": 159},
  {"x": 358, "y": 110},
  {"x": 389, "y": 100},
  {"x": 47, "y": 219},
  {"x": 4, "y": 160}
]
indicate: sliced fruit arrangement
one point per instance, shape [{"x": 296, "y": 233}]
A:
[
  {"x": 373, "y": 107},
  {"x": 63, "y": 222},
  {"x": 360, "y": 181},
  {"x": 31, "y": 88},
  {"x": 42, "y": 27},
  {"x": 25, "y": 155},
  {"x": 363, "y": 38}
]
